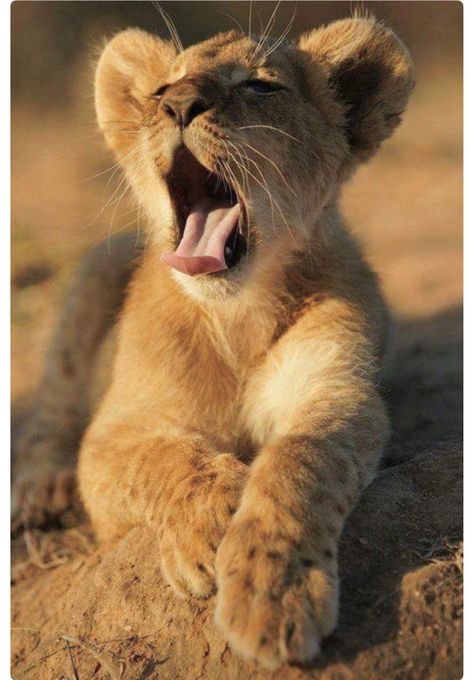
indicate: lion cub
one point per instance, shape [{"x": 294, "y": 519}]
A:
[{"x": 243, "y": 420}]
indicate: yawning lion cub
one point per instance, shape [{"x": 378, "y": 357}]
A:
[{"x": 243, "y": 420}]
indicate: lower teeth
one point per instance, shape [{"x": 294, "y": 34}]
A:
[{"x": 228, "y": 251}]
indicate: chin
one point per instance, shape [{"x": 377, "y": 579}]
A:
[{"x": 225, "y": 286}]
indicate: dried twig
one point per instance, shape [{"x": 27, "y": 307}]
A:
[
  {"x": 74, "y": 668},
  {"x": 114, "y": 672},
  {"x": 74, "y": 645},
  {"x": 35, "y": 556}
]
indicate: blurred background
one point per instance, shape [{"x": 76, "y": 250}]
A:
[{"x": 406, "y": 205}]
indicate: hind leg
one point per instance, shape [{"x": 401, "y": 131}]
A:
[{"x": 44, "y": 451}]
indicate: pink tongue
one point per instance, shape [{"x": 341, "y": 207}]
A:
[{"x": 202, "y": 247}]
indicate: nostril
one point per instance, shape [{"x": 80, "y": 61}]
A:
[
  {"x": 183, "y": 109},
  {"x": 196, "y": 109},
  {"x": 167, "y": 108}
]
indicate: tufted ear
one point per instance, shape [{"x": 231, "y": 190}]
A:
[
  {"x": 130, "y": 68},
  {"x": 370, "y": 72}
]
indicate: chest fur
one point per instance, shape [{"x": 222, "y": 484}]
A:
[{"x": 193, "y": 369}]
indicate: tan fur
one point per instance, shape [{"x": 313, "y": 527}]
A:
[
  {"x": 74, "y": 379},
  {"x": 243, "y": 419}
]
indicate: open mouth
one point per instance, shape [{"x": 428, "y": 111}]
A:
[{"x": 210, "y": 216}]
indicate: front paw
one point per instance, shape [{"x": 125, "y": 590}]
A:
[
  {"x": 277, "y": 598},
  {"x": 195, "y": 521},
  {"x": 41, "y": 495}
]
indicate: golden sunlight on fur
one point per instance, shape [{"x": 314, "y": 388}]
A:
[{"x": 243, "y": 419}]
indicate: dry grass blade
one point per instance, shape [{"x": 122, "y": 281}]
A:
[
  {"x": 46, "y": 553},
  {"x": 84, "y": 539},
  {"x": 35, "y": 556},
  {"x": 114, "y": 672},
  {"x": 81, "y": 644},
  {"x": 443, "y": 551},
  {"x": 74, "y": 667}
]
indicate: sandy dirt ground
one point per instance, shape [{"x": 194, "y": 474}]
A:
[{"x": 88, "y": 613}]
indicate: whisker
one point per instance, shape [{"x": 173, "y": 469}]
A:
[
  {"x": 170, "y": 26},
  {"x": 99, "y": 174},
  {"x": 267, "y": 30},
  {"x": 265, "y": 186},
  {"x": 117, "y": 231},
  {"x": 124, "y": 192},
  {"x": 271, "y": 22},
  {"x": 270, "y": 127},
  {"x": 235, "y": 21},
  {"x": 271, "y": 197},
  {"x": 120, "y": 229},
  {"x": 138, "y": 230},
  {"x": 111, "y": 201},
  {"x": 283, "y": 35},
  {"x": 141, "y": 163},
  {"x": 118, "y": 166},
  {"x": 93, "y": 121},
  {"x": 241, "y": 167},
  {"x": 273, "y": 164},
  {"x": 127, "y": 212},
  {"x": 239, "y": 227},
  {"x": 229, "y": 176},
  {"x": 99, "y": 134}
]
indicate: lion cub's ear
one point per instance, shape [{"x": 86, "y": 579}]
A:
[
  {"x": 131, "y": 67},
  {"x": 371, "y": 73}
]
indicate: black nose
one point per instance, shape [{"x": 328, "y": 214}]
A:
[
  {"x": 184, "y": 111},
  {"x": 184, "y": 101}
]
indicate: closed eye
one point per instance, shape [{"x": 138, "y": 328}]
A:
[
  {"x": 160, "y": 91},
  {"x": 262, "y": 86}
]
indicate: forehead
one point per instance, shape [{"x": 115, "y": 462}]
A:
[{"x": 232, "y": 55}]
